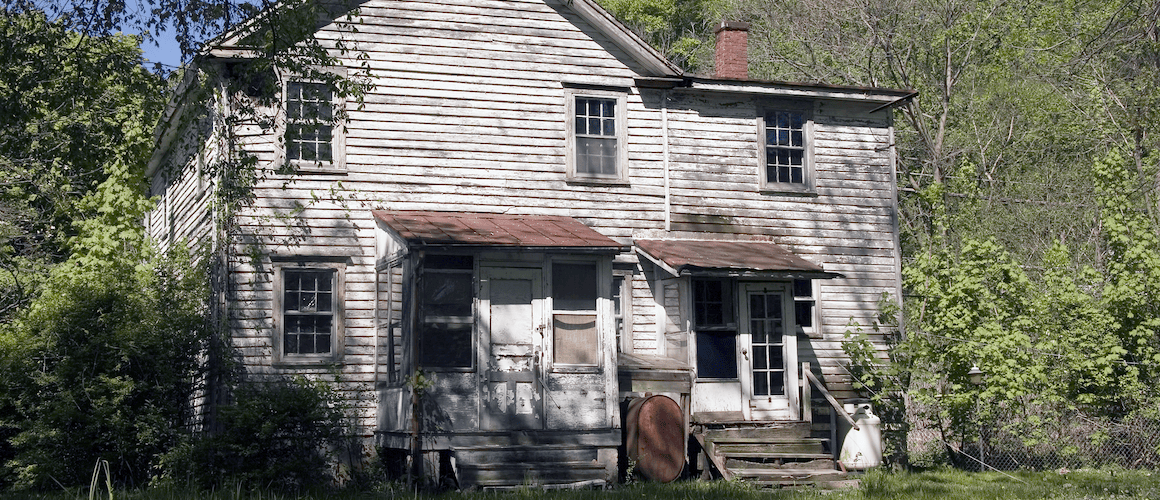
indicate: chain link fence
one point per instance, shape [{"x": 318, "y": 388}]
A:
[{"x": 1023, "y": 439}]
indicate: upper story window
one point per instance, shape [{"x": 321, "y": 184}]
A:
[
  {"x": 313, "y": 137},
  {"x": 787, "y": 160},
  {"x": 309, "y": 301},
  {"x": 596, "y": 138}
]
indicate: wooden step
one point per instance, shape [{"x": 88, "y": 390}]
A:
[
  {"x": 788, "y": 431},
  {"x": 824, "y": 463},
  {"x": 544, "y": 453},
  {"x": 786, "y": 477},
  {"x": 529, "y": 473}
]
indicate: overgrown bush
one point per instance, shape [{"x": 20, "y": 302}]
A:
[
  {"x": 275, "y": 435},
  {"x": 103, "y": 365}
]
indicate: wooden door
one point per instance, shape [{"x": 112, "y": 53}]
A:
[
  {"x": 512, "y": 317},
  {"x": 768, "y": 346}
]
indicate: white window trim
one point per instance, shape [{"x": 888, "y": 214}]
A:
[
  {"x": 621, "y": 176},
  {"x": 809, "y": 186},
  {"x": 337, "y": 337},
  {"x": 815, "y": 313},
  {"x": 337, "y": 165}
]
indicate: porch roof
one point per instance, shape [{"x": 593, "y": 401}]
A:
[
  {"x": 464, "y": 229},
  {"x": 729, "y": 258}
]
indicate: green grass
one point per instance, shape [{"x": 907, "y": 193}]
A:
[{"x": 939, "y": 484}]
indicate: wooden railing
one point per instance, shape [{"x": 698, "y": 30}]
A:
[{"x": 808, "y": 382}]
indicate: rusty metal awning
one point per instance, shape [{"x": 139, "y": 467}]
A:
[
  {"x": 729, "y": 258},
  {"x": 462, "y": 229}
]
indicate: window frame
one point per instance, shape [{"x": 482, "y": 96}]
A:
[
  {"x": 623, "y": 332},
  {"x": 337, "y": 336},
  {"x": 809, "y": 182},
  {"x": 570, "y": 149},
  {"x": 337, "y": 165},
  {"x": 814, "y": 329},
  {"x": 471, "y": 320},
  {"x": 602, "y": 283},
  {"x": 729, "y": 326}
]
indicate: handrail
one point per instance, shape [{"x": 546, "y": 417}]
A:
[{"x": 809, "y": 375}]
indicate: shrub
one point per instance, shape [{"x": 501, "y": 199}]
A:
[
  {"x": 103, "y": 365},
  {"x": 276, "y": 435}
]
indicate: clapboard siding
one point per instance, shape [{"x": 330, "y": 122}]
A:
[{"x": 466, "y": 112}]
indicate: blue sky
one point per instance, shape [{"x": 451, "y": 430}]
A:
[{"x": 167, "y": 52}]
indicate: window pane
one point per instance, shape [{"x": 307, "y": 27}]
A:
[
  {"x": 447, "y": 294},
  {"x": 761, "y": 384},
  {"x": 716, "y": 355},
  {"x": 574, "y": 339},
  {"x": 804, "y": 313},
  {"x": 445, "y": 346},
  {"x": 712, "y": 302},
  {"x": 574, "y": 287}
]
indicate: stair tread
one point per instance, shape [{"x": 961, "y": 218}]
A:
[
  {"x": 764, "y": 440},
  {"x": 588, "y": 464},
  {"x": 805, "y": 456},
  {"x": 504, "y": 447},
  {"x": 787, "y": 473}
]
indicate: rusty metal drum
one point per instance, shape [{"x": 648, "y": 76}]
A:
[{"x": 655, "y": 437}]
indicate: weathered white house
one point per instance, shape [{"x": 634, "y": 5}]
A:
[{"x": 547, "y": 219}]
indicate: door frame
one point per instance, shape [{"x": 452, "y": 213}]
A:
[{"x": 768, "y": 407}]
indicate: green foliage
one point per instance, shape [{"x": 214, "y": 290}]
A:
[
  {"x": 104, "y": 365},
  {"x": 1053, "y": 340},
  {"x": 680, "y": 29},
  {"x": 275, "y": 435},
  {"x": 77, "y": 110}
]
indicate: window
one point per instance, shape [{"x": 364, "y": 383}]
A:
[
  {"x": 448, "y": 292},
  {"x": 804, "y": 306},
  {"x": 310, "y": 317},
  {"x": 313, "y": 138},
  {"x": 622, "y": 309},
  {"x": 713, "y": 317},
  {"x": 787, "y": 163},
  {"x": 596, "y": 137},
  {"x": 574, "y": 291}
]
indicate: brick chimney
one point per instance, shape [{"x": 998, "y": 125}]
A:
[{"x": 732, "y": 59}]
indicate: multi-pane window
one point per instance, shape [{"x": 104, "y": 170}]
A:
[
  {"x": 803, "y": 302},
  {"x": 308, "y": 311},
  {"x": 622, "y": 311},
  {"x": 767, "y": 343},
  {"x": 786, "y": 157},
  {"x": 716, "y": 328},
  {"x": 446, "y": 312},
  {"x": 309, "y": 122},
  {"x": 574, "y": 293},
  {"x": 596, "y": 136}
]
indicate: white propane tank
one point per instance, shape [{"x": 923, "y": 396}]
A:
[{"x": 861, "y": 448}]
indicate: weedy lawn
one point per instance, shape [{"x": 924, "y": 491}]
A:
[{"x": 932, "y": 485}]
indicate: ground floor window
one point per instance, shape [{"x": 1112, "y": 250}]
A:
[
  {"x": 308, "y": 301},
  {"x": 716, "y": 325},
  {"x": 574, "y": 294},
  {"x": 447, "y": 295}
]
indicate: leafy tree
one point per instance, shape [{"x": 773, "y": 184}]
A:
[
  {"x": 73, "y": 106},
  {"x": 681, "y": 29}
]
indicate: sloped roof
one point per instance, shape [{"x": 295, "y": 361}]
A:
[
  {"x": 460, "y": 229},
  {"x": 688, "y": 257}
]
